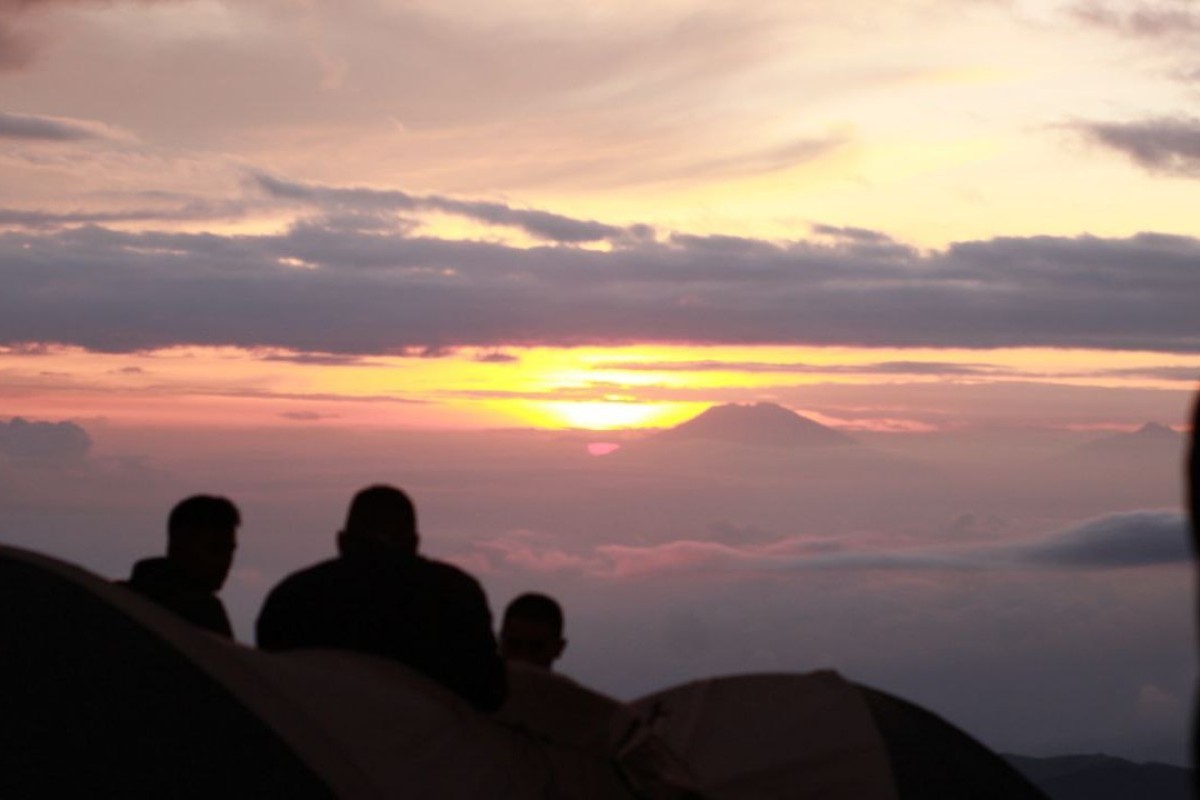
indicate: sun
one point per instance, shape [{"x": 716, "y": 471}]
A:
[{"x": 603, "y": 415}]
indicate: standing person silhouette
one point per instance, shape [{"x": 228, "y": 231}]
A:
[
  {"x": 379, "y": 596},
  {"x": 201, "y": 539}
]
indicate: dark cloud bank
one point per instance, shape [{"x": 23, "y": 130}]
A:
[
  {"x": 21, "y": 438},
  {"x": 330, "y": 287}
]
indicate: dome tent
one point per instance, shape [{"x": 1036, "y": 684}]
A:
[{"x": 104, "y": 694}]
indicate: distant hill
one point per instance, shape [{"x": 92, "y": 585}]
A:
[
  {"x": 758, "y": 424},
  {"x": 1100, "y": 777},
  {"x": 1150, "y": 438}
]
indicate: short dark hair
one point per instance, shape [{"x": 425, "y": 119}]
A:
[
  {"x": 381, "y": 506},
  {"x": 201, "y": 512},
  {"x": 537, "y": 607}
]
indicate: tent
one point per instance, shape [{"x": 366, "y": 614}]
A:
[{"x": 104, "y": 694}]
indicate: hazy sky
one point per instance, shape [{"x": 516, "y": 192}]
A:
[
  {"x": 243, "y": 243},
  {"x": 461, "y": 215}
]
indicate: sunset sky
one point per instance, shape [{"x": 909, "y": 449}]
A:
[
  {"x": 281, "y": 249},
  {"x": 597, "y": 215}
]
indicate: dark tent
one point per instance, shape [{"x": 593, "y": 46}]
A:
[{"x": 103, "y": 694}]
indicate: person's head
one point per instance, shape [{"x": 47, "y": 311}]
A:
[
  {"x": 381, "y": 519},
  {"x": 201, "y": 538},
  {"x": 532, "y": 630}
]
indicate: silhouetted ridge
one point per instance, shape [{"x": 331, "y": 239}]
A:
[
  {"x": 756, "y": 424},
  {"x": 1100, "y": 777},
  {"x": 1150, "y": 436}
]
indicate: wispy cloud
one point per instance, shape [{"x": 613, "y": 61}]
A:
[
  {"x": 540, "y": 224},
  {"x": 30, "y": 127},
  {"x": 1144, "y": 18},
  {"x": 1119, "y": 541},
  {"x": 1167, "y": 146}
]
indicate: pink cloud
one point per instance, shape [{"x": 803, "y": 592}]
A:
[{"x": 534, "y": 552}]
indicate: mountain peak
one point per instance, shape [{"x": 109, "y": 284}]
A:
[
  {"x": 756, "y": 424},
  {"x": 1152, "y": 430}
]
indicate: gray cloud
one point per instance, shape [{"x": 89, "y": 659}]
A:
[
  {"x": 352, "y": 292},
  {"x": 49, "y": 440},
  {"x": 1169, "y": 146},
  {"x": 1118, "y": 541},
  {"x": 540, "y": 224},
  {"x": 198, "y": 210},
  {"x": 48, "y": 129},
  {"x": 307, "y": 416},
  {"x": 497, "y": 358},
  {"x": 1148, "y": 19},
  {"x": 1134, "y": 539},
  {"x": 878, "y": 368},
  {"x": 320, "y": 359}
]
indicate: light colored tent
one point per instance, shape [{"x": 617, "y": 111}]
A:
[{"x": 102, "y": 694}]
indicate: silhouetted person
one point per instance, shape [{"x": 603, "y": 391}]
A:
[
  {"x": 201, "y": 538},
  {"x": 532, "y": 630},
  {"x": 1193, "y": 492},
  {"x": 380, "y": 597}
]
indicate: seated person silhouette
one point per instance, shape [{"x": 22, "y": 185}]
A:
[
  {"x": 379, "y": 596},
  {"x": 532, "y": 630},
  {"x": 201, "y": 538}
]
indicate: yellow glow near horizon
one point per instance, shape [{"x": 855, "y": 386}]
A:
[
  {"x": 597, "y": 388},
  {"x": 603, "y": 415}
]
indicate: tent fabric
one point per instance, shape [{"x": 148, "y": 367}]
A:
[
  {"x": 141, "y": 704},
  {"x": 104, "y": 694},
  {"x": 754, "y": 736},
  {"x": 931, "y": 759}
]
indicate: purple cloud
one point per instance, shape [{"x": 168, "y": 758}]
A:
[
  {"x": 336, "y": 290},
  {"x": 1168, "y": 146}
]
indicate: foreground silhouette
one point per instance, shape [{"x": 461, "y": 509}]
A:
[
  {"x": 201, "y": 538},
  {"x": 532, "y": 629},
  {"x": 160, "y": 709},
  {"x": 380, "y": 597},
  {"x": 1193, "y": 492}
]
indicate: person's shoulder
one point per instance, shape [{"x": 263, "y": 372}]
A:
[
  {"x": 318, "y": 573},
  {"x": 446, "y": 572}
]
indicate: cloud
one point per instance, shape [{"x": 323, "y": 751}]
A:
[
  {"x": 1119, "y": 541},
  {"x": 1167, "y": 146},
  {"x": 307, "y": 416},
  {"x": 1134, "y": 539},
  {"x": 323, "y": 290},
  {"x": 47, "y": 129},
  {"x": 878, "y": 368},
  {"x": 540, "y": 224},
  {"x": 320, "y": 359},
  {"x": 496, "y": 357},
  {"x": 534, "y": 552},
  {"x": 43, "y": 440},
  {"x": 1155, "y": 20},
  {"x": 16, "y": 48}
]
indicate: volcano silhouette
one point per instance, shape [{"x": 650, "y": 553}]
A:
[{"x": 758, "y": 424}]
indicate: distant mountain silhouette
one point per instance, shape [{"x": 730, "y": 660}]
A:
[
  {"x": 759, "y": 424},
  {"x": 1100, "y": 777},
  {"x": 1149, "y": 438}
]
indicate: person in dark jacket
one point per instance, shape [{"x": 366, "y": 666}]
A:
[
  {"x": 201, "y": 539},
  {"x": 379, "y": 596}
]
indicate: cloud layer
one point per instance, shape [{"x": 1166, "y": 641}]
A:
[
  {"x": 1124, "y": 540},
  {"x": 44, "y": 440},
  {"x": 329, "y": 286}
]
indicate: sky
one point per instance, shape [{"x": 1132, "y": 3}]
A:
[{"x": 284, "y": 248}]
